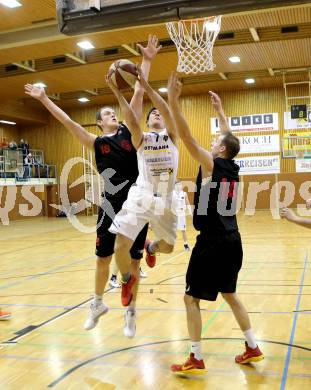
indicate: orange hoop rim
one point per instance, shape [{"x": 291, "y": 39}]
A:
[{"x": 195, "y": 19}]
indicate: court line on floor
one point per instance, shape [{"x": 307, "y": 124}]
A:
[
  {"x": 31, "y": 328},
  {"x": 91, "y": 360},
  {"x": 292, "y": 335},
  {"x": 51, "y": 273},
  {"x": 301, "y": 312}
]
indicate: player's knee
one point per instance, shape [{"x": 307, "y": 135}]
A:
[
  {"x": 103, "y": 262},
  {"x": 230, "y": 298},
  {"x": 190, "y": 301},
  {"x": 122, "y": 244}
]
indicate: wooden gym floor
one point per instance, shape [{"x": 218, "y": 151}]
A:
[{"x": 47, "y": 272}]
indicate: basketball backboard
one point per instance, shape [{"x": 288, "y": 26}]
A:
[{"x": 80, "y": 16}]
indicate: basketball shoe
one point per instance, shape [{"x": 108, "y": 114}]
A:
[
  {"x": 142, "y": 273},
  {"x": 4, "y": 315},
  {"x": 129, "y": 329},
  {"x": 127, "y": 291},
  {"x": 94, "y": 314},
  {"x": 192, "y": 366},
  {"x": 113, "y": 282},
  {"x": 150, "y": 257},
  {"x": 249, "y": 355}
]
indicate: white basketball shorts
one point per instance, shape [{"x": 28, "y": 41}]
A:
[{"x": 142, "y": 207}]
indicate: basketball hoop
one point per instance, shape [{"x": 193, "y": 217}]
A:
[{"x": 194, "y": 40}]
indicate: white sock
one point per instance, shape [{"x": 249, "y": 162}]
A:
[
  {"x": 132, "y": 306},
  {"x": 196, "y": 349},
  {"x": 250, "y": 338},
  {"x": 98, "y": 299},
  {"x": 152, "y": 247}
]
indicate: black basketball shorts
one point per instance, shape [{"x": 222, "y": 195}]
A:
[
  {"x": 105, "y": 240},
  {"x": 214, "y": 265}
]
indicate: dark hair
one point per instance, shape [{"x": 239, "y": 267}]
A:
[
  {"x": 149, "y": 113},
  {"x": 232, "y": 145}
]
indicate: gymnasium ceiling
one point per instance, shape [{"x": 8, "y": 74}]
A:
[{"x": 29, "y": 36}]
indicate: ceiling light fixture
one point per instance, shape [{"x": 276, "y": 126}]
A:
[
  {"x": 163, "y": 89},
  {"x": 83, "y": 100},
  {"x": 234, "y": 59},
  {"x": 7, "y": 122},
  {"x": 11, "y": 3},
  {"x": 249, "y": 81},
  {"x": 86, "y": 45},
  {"x": 211, "y": 26}
]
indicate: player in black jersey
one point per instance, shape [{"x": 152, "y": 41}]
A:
[
  {"x": 217, "y": 256},
  {"x": 116, "y": 161}
]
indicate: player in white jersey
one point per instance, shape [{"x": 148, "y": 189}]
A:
[
  {"x": 181, "y": 207},
  {"x": 150, "y": 200}
]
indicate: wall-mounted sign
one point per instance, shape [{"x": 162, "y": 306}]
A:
[
  {"x": 259, "y": 165},
  {"x": 251, "y": 122}
]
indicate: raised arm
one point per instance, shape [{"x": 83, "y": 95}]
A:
[
  {"x": 292, "y": 217},
  {"x": 160, "y": 105},
  {"x": 86, "y": 138},
  {"x": 223, "y": 121},
  {"x": 204, "y": 157},
  {"x": 128, "y": 114},
  {"x": 148, "y": 52}
]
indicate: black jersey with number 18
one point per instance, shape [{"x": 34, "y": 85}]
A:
[{"x": 118, "y": 153}]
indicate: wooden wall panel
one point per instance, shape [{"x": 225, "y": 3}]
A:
[{"x": 9, "y": 132}]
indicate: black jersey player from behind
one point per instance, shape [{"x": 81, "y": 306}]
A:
[
  {"x": 117, "y": 162},
  {"x": 217, "y": 256}
]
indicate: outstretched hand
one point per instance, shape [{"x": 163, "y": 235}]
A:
[
  {"x": 152, "y": 48},
  {"x": 288, "y": 214},
  {"x": 35, "y": 92},
  {"x": 216, "y": 101},
  {"x": 174, "y": 87}
]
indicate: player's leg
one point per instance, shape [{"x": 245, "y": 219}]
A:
[
  {"x": 252, "y": 352},
  {"x": 185, "y": 240},
  {"x": 136, "y": 255},
  {"x": 164, "y": 227},
  {"x": 127, "y": 225},
  {"x": 97, "y": 306},
  {"x": 113, "y": 282},
  {"x": 181, "y": 225},
  {"x": 194, "y": 364},
  {"x": 104, "y": 251},
  {"x": 196, "y": 288},
  {"x": 231, "y": 252}
]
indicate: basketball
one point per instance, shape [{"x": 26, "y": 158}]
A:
[{"x": 123, "y": 74}]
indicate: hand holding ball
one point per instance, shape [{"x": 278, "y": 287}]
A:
[{"x": 123, "y": 74}]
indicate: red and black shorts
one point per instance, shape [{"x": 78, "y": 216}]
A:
[{"x": 105, "y": 240}]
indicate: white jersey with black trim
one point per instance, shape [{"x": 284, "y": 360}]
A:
[{"x": 157, "y": 159}]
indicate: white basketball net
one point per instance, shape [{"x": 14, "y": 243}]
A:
[{"x": 194, "y": 40}]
